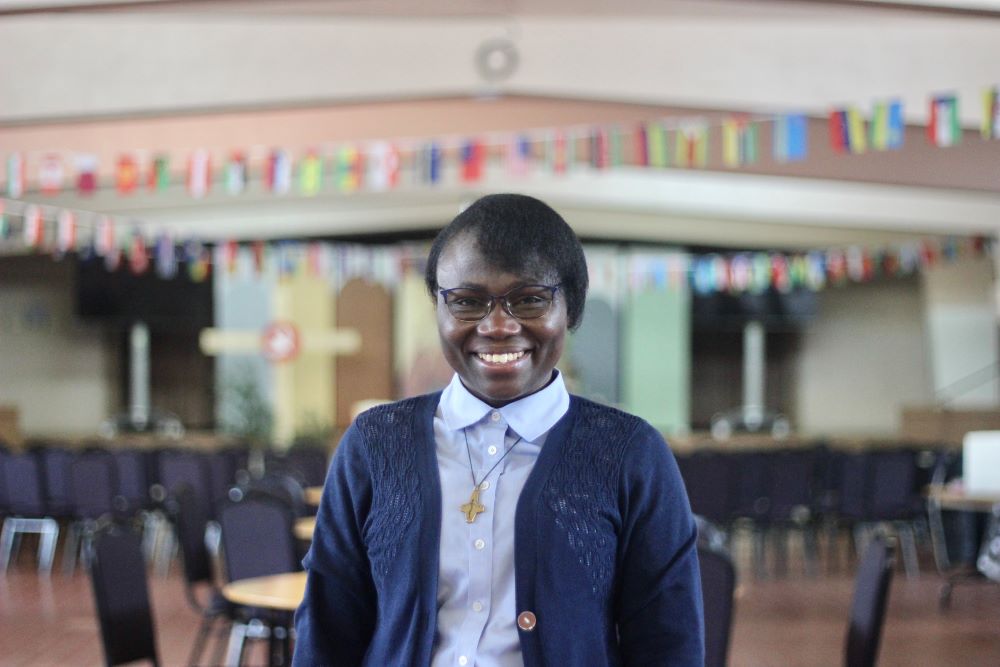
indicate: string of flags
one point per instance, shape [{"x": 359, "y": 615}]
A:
[
  {"x": 58, "y": 232},
  {"x": 384, "y": 165}
]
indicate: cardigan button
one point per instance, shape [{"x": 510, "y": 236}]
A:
[{"x": 526, "y": 621}]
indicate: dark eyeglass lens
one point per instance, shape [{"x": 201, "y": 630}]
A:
[
  {"x": 530, "y": 302},
  {"x": 467, "y": 304}
]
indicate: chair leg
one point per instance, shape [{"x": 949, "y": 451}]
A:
[
  {"x": 220, "y": 643},
  {"x": 6, "y": 543},
  {"x": 70, "y": 549},
  {"x": 760, "y": 552},
  {"x": 237, "y": 643},
  {"x": 47, "y": 544},
  {"x": 909, "y": 548}
]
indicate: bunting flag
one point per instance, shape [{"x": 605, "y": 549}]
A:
[
  {"x": 472, "y": 158},
  {"x": 616, "y": 146},
  {"x": 17, "y": 173},
  {"x": 199, "y": 174},
  {"x": 429, "y": 163},
  {"x": 990, "y": 126},
  {"x": 791, "y": 142},
  {"x": 350, "y": 169},
  {"x": 310, "y": 174},
  {"x": 104, "y": 236},
  {"x": 166, "y": 256},
  {"x": 943, "y": 129},
  {"x": 887, "y": 126},
  {"x": 691, "y": 145},
  {"x": 86, "y": 174},
  {"x": 557, "y": 152},
  {"x": 126, "y": 174},
  {"x": 138, "y": 254},
  {"x": 259, "y": 250},
  {"x": 600, "y": 148},
  {"x": 198, "y": 260},
  {"x": 640, "y": 150},
  {"x": 847, "y": 131},
  {"x": 158, "y": 178},
  {"x": 34, "y": 227},
  {"x": 236, "y": 173},
  {"x": 228, "y": 253},
  {"x": 739, "y": 142},
  {"x": 656, "y": 142},
  {"x": 382, "y": 166},
  {"x": 51, "y": 174},
  {"x": 518, "y": 155},
  {"x": 65, "y": 232},
  {"x": 278, "y": 174}
]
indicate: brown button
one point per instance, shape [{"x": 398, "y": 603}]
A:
[{"x": 526, "y": 621}]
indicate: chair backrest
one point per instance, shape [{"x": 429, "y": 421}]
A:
[
  {"x": 706, "y": 477},
  {"x": 310, "y": 461},
  {"x": 133, "y": 478},
  {"x": 190, "y": 521},
  {"x": 25, "y": 485},
  {"x": 871, "y": 598},
  {"x": 93, "y": 482},
  {"x": 257, "y": 538},
  {"x": 121, "y": 594},
  {"x": 893, "y": 484},
  {"x": 718, "y": 583},
  {"x": 4, "y": 496},
  {"x": 790, "y": 483},
  {"x": 57, "y": 465},
  {"x": 187, "y": 468}
]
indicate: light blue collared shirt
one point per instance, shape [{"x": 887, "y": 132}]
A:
[{"x": 477, "y": 614}]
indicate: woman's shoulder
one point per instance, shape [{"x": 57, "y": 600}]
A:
[
  {"x": 393, "y": 413},
  {"x": 608, "y": 419}
]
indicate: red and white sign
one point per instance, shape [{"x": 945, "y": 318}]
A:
[{"x": 280, "y": 342}]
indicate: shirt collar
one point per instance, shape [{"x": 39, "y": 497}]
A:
[{"x": 529, "y": 417}]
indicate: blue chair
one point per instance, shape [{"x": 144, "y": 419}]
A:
[
  {"x": 868, "y": 607},
  {"x": 28, "y": 510}
]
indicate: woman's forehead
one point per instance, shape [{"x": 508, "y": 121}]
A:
[{"x": 464, "y": 260}]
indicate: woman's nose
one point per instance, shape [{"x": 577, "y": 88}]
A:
[{"x": 498, "y": 322}]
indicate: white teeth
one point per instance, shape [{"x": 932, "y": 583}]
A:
[{"x": 504, "y": 358}]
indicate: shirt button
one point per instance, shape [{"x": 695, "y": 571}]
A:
[
  {"x": 477, "y": 606},
  {"x": 462, "y": 660},
  {"x": 491, "y": 450},
  {"x": 484, "y": 485},
  {"x": 526, "y": 621},
  {"x": 480, "y": 544},
  {"x": 495, "y": 416}
]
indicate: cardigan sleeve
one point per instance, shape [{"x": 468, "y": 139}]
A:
[
  {"x": 336, "y": 619},
  {"x": 658, "y": 606}
]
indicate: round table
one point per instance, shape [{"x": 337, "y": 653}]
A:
[
  {"x": 305, "y": 527},
  {"x": 276, "y": 591},
  {"x": 313, "y": 495}
]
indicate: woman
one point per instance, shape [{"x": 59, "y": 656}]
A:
[{"x": 502, "y": 521}]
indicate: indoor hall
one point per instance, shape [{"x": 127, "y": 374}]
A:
[{"x": 215, "y": 223}]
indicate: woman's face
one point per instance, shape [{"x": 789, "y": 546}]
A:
[{"x": 532, "y": 347}]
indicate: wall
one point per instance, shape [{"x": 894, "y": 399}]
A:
[
  {"x": 60, "y": 373},
  {"x": 960, "y": 316},
  {"x": 862, "y": 359}
]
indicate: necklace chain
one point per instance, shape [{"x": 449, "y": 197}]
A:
[{"x": 468, "y": 451}]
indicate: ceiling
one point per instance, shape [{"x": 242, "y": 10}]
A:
[{"x": 100, "y": 76}]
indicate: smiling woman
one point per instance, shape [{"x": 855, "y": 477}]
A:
[{"x": 577, "y": 526}]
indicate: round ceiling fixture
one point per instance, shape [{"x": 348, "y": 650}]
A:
[{"x": 496, "y": 60}]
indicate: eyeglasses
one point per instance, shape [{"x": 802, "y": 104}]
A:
[{"x": 527, "y": 302}]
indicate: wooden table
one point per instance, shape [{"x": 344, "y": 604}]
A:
[
  {"x": 313, "y": 495},
  {"x": 955, "y": 498},
  {"x": 277, "y": 591},
  {"x": 305, "y": 527}
]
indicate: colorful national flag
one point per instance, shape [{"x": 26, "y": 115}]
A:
[
  {"x": 166, "y": 256},
  {"x": 236, "y": 173},
  {"x": 51, "y": 174},
  {"x": 138, "y": 254},
  {"x": 990, "y": 126},
  {"x": 228, "y": 252},
  {"x": 943, "y": 128},
  {"x": 740, "y": 141},
  {"x": 383, "y": 166},
  {"x": 159, "y": 173},
  {"x": 656, "y": 138},
  {"x": 350, "y": 169},
  {"x": 278, "y": 174},
  {"x": 600, "y": 148},
  {"x": 473, "y": 155},
  {"x": 791, "y": 142},
  {"x": 17, "y": 175},
  {"x": 847, "y": 131},
  {"x": 34, "y": 227},
  {"x": 198, "y": 260},
  {"x": 65, "y": 232},
  {"x": 887, "y": 126},
  {"x": 86, "y": 174},
  {"x": 557, "y": 152},
  {"x": 518, "y": 154},
  {"x": 691, "y": 145},
  {"x": 640, "y": 147},
  {"x": 199, "y": 175},
  {"x": 429, "y": 163},
  {"x": 126, "y": 174},
  {"x": 310, "y": 174}
]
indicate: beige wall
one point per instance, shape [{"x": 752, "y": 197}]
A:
[
  {"x": 58, "y": 372},
  {"x": 862, "y": 359}
]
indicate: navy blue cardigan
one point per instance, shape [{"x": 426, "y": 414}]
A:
[{"x": 605, "y": 547}]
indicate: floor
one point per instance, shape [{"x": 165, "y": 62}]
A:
[{"x": 793, "y": 621}]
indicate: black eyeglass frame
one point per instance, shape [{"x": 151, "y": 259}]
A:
[{"x": 502, "y": 298}]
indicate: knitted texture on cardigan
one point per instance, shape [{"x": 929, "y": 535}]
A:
[{"x": 585, "y": 481}]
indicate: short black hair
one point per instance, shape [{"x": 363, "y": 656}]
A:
[{"x": 518, "y": 234}]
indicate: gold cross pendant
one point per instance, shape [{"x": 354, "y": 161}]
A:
[{"x": 473, "y": 508}]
